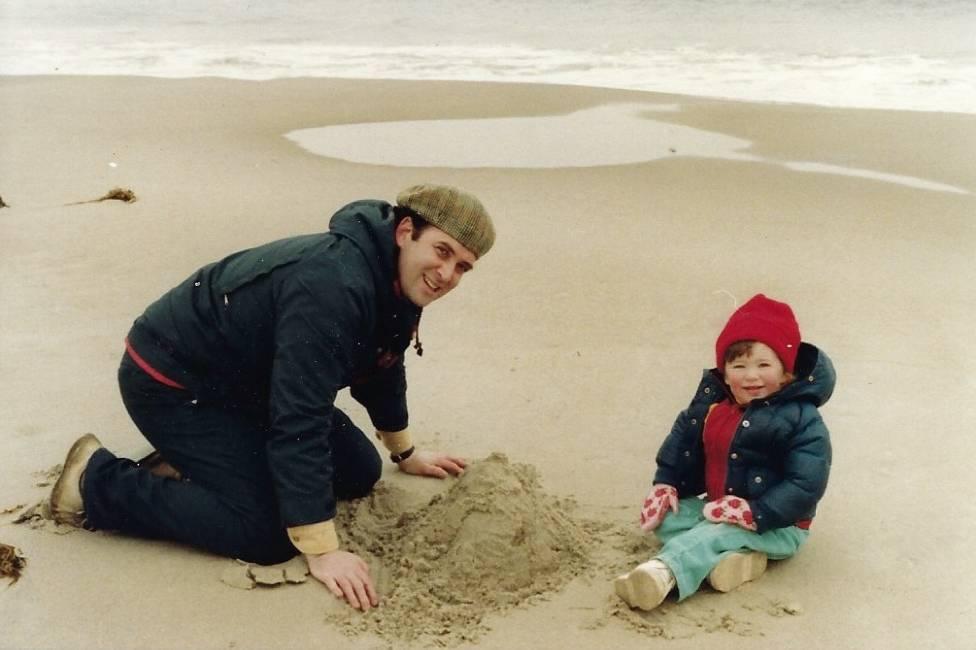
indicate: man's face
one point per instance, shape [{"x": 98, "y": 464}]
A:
[
  {"x": 431, "y": 265},
  {"x": 755, "y": 375}
]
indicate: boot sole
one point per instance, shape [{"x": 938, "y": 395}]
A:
[
  {"x": 74, "y": 464},
  {"x": 638, "y": 589},
  {"x": 736, "y": 569}
]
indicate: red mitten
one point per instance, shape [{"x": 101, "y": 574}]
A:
[
  {"x": 659, "y": 500},
  {"x": 730, "y": 510}
]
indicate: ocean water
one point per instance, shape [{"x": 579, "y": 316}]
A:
[{"x": 896, "y": 54}]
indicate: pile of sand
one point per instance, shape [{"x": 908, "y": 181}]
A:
[{"x": 491, "y": 542}]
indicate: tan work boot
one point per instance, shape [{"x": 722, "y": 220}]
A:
[
  {"x": 67, "y": 506},
  {"x": 646, "y": 586},
  {"x": 735, "y": 569}
]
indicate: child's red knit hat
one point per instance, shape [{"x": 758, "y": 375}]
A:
[{"x": 767, "y": 321}]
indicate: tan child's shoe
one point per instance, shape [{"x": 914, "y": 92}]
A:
[
  {"x": 736, "y": 569},
  {"x": 646, "y": 586}
]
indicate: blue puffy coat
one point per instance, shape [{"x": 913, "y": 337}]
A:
[
  {"x": 779, "y": 459},
  {"x": 279, "y": 329}
]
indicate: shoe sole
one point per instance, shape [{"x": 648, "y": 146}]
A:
[
  {"x": 638, "y": 589},
  {"x": 736, "y": 569},
  {"x": 71, "y": 472}
]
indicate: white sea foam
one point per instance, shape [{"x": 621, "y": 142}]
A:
[
  {"x": 899, "y": 54},
  {"x": 896, "y": 81}
]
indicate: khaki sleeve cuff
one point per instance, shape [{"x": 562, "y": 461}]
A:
[
  {"x": 314, "y": 539},
  {"x": 396, "y": 442}
]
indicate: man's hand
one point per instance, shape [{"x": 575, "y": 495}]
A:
[
  {"x": 730, "y": 510},
  {"x": 433, "y": 464},
  {"x": 661, "y": 499},
  {"x": 346, "y": 575}
]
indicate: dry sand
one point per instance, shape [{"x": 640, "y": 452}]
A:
[{"x": 570, "y": 350}]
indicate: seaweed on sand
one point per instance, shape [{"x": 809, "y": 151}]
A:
[{"x": 115, "y": 194}]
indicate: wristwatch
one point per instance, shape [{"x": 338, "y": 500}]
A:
[{"x": 403, "y": 455}]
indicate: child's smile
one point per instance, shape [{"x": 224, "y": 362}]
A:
[{"x": 755, "y": 375}]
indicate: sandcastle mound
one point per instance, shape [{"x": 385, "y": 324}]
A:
[{"x": 491, "y": 542}]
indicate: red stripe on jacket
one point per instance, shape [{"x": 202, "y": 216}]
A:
[{"x": 149, "y": 370}]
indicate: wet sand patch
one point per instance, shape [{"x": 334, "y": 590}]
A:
[{"x": 611, "y": 134}]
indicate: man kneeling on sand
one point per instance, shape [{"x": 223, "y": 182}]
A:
[{"x": 232, "y": 377}]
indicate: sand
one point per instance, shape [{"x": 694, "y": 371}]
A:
[
  {"x": 570, "y": 349},
  {"x": 491, "y": 542}
]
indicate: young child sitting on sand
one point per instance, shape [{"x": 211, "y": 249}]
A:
[{"x": 752, "y": 440}]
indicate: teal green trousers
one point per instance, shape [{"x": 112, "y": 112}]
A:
[{"x": 692, "y": 545}]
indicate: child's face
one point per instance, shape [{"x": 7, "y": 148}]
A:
[{"x": 755, "y": 375}]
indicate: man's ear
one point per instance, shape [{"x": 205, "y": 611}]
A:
[{"x": 403, "y": 232}]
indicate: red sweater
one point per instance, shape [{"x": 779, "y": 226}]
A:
[{"x": 720, "y": 427}]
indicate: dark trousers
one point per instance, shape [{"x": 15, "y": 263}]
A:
[{"x": 226, "y": 501}]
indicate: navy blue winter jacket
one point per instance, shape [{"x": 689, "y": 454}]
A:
[
  {"x": 279, "y": 329},
  {"x": 779, "y": 458}
]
